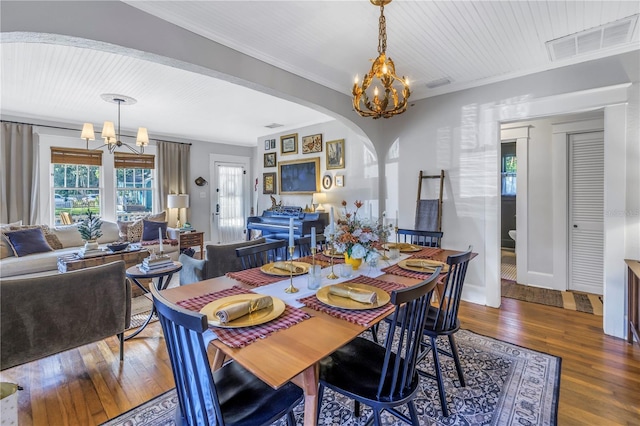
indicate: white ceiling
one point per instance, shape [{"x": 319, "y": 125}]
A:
[{"x": 469, "y": 42}]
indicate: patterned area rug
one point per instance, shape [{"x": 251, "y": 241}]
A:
[
  {"x": 140, "y": 309},
  {"x": 506, "y": 385}
]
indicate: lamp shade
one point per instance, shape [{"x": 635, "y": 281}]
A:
[
  {"x": 108, "y": 131},
  {"x": 87, "y": 132},
  {"x": 319, "y": 198},
  {"x": 178, "y": 201},
  {"x": 143, "y": 140}
]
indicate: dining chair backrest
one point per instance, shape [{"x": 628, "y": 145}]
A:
[
  {"x": 421, "y": 238},
  {"x": 261, "y": 254},
  {"x": 304, "y": 245},
  {"x": 446, "y": 312},
  {"x": 404, "y": 338},
  {"x": 187, "y": 337}
]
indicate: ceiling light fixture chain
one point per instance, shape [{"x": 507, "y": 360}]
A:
[
  {"x": 111, "y": 138},
  {"x": 396, "y": 90}
]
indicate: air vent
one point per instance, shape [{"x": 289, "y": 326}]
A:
[
  {"x": 437, "y": 83},
  {"x": 273, "y": 125},
  {"x": 588, "y": 41}
]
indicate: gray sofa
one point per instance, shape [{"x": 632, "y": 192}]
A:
[
  {"x": 221, "y": 258},
  {"x": 45, "y": 315}
]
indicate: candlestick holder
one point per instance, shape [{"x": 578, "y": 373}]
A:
[
  {"x": 332, "y": 275},
  {"x": 291, "y": 288},
  {"x": 396, "y": 229}
]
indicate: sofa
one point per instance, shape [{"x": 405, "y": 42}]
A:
[
  {"x": 52, "y": 313},
  {"x": 66, "y": 240}
]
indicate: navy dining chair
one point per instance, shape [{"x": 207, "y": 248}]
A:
[
  {"x": 442, "y": 320},
  {"x": 261, "y": 254},
  {"x": 384, "y": 377},
  {"x": 420, "y": 238},
  {"x": 231, "y": 395}
]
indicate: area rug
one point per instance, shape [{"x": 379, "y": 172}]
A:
[
  {"x": 140, "y": 309},
  {"x": 506, "y": 385},
  {"x": 576, "y": 301}
]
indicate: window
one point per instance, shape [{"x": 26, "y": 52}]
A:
[
  {"x": 75, "y": 182},
  {"x": 134, "y": 185},
  {"x": 509, "y": 169}
]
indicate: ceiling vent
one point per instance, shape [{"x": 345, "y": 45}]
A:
[
  {"x": 273, "y": 125},
  {"x": 588, "y": 41},
  {"x": 437, "y": 83}
]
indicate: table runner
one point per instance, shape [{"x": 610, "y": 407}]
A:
[
  {"x": 363, "y": 317},
  {"x": 240, "y": 337}
]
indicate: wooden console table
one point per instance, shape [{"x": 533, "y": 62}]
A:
[
  {"x": 633, "y": 300},
  {"x": 192, "y": 239}
]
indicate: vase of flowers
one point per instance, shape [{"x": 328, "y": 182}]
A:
[
  {"x": 90, "y": 231},
  {"x": 358, "y": 238}
]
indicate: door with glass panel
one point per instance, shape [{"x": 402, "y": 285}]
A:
[{"x": 230, "y": 203}]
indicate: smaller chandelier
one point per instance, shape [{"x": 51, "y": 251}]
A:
[
  {"x": 389, "y": 103},
  {"x": 111, "y": 138}
]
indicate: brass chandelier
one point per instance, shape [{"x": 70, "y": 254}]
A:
[{"x": 383, "y": 69}]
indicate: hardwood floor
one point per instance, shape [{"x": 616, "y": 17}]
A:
[{"x": 600, "y": 382}]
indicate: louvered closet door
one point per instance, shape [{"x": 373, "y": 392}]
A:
[{"x": 586, "y": 211}]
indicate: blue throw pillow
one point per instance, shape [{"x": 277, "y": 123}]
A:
[
  {"x": 28, "y": 241},
  {"x": 150, "y": 230}
]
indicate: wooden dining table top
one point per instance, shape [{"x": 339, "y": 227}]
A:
[{"x": 281, "y": 356}]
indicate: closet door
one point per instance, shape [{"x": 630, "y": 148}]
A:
[{"x": 586, "y": 212}]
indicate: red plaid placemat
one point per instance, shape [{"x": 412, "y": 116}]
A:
[
  {"x": 396, "y": 270},
  {"x": 240, "y": 337},
  {"x": 363, "y": 317},
  {"x": 426, "y": 253},
  {"x": 336, "y": 260},
  {"x": 255, "y": 277}
]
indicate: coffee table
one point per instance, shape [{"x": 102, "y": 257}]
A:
[
  {"x": 73, "y": 262},
  {"x": 164, "y": 278}
]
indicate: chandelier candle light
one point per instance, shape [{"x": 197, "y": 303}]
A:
[
  {"x": 383, "y": 69},
  {"x": 112, "y": 140}
]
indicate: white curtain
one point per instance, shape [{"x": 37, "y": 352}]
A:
[
  {"x": 230, "y": 199},
  {"x": 18, "y": 175},
  {"x": 173, "y": 174}
]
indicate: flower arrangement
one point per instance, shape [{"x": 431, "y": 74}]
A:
[{"x": 358, "y": 238}]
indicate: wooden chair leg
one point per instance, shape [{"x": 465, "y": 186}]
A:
[
  {"x": 436, "y": 366},
  {"x": 456, "y": 358}
]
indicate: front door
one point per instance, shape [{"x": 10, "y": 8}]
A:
[{"x": 230, "y": 203}]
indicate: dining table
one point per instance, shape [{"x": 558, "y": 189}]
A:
[{"x": 293, "y": 352}]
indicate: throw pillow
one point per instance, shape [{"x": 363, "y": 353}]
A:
[
  {"x": 28, "y": 241},
  {"x": 192, "y": 269},
  {"x": 153, "y": 230},
  {"x": 132, "y": 231}
]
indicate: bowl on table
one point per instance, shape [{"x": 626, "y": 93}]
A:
[{"x": 118, "y": 246}]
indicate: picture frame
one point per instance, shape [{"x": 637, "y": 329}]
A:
[
  {"x": 270, "y": 159},
  {"x": 273, "y": 144},
  {"x": 299, "y": 176},
  {"x": 289, "y": 144},
  {"x": 327, "y": 182},
  {"x": 335, "y": 154},
  {"x": 269, "y": 183},
  {"x": 312, "y": 144},
  {"x": 339, "y": 180},
  {"x": 267, "y": 145}
]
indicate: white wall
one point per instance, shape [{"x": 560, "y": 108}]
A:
[{"x": 360, "y": 172}]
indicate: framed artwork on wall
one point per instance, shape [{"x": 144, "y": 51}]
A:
[
  {"x": 299, "y": 176},
  {"x": 267, "y": 145},
  {"x": 339, "y": 180},
  {"x": 312, "y": 143},
  {"x": 289, "y": 144},
  {"x": 326, "y": 182},
  {"x": 269, "y": 183},
  {"x": 270, "y": 159},
  {"x": 273, "y": 144},
  {"x": 335, "y": 154}
]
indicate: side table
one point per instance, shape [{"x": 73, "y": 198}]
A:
[
  {"x": 192, "y": 239},
  {"x": 164, "y": 278}
]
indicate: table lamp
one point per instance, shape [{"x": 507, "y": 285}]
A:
[
  {"x": 178, "y": 201},
  {"x": 318, "y": 199}
]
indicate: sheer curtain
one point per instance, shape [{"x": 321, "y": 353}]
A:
[
  {"x": 173, "y": 174},
  {"x": 230, "y": 199},
  {"x": 18, "y": 175}
]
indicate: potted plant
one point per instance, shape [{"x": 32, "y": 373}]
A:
[{"x": 90, "y": 231}]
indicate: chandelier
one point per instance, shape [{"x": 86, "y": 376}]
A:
[
  {"x": 111, "y": 138},
  {"x": 390, "y": 103}
]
